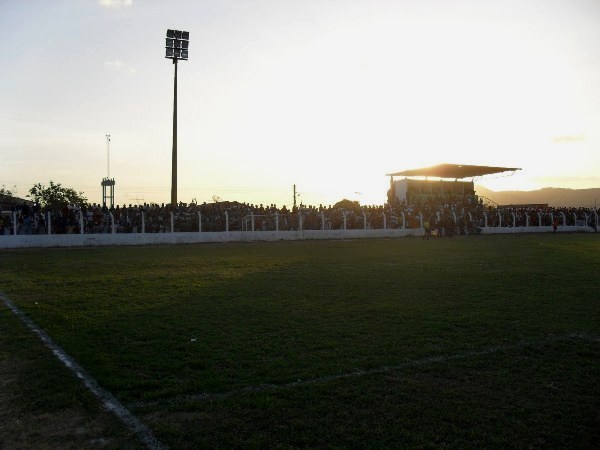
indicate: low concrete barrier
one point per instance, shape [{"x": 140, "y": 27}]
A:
[
  {"x": 94, "y": 240},
  {"x": 544, "y": 229},
  {"x": 97, "y": 240}
]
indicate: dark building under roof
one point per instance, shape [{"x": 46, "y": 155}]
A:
[
  {"x": 7, "y": 202},
  {"x": 413, "y": 191}
]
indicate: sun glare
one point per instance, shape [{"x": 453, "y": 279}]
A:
[{"x": 327, "y": 96}]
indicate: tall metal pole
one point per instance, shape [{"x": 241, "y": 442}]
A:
[
  {"x": 177, "y": 47},
  {"x": 174, "y": 160},
  {"x": 108, "y": 156},
  {"x": 294, "y": 196}
]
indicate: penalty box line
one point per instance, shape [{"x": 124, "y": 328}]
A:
[
  {"x": 208, "y": 396},
  {"x": 109, "y": 401}
]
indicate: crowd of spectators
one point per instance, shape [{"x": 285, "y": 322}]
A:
[{"x": 463, "y": 216}]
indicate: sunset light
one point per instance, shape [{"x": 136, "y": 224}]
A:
[{"x": 327, "y": 95}]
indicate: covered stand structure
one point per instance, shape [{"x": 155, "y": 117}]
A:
[{"x": 416, "y": 187}]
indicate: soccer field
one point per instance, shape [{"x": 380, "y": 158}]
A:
[{"x": 464, "y": 342}]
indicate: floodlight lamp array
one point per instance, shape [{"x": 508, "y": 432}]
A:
[{"x": 177, "y": 44}]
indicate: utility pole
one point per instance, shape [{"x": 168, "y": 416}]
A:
[
  {"x": 108, "y": 156},
  {"x": 294, "y": 196}
]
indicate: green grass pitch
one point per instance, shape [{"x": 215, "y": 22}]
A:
[{"x": 464, "y": 342}]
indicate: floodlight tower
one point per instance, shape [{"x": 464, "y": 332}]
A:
[
  {"x": 108, "y": 156},
  {"x": 177, "y": 45},
  {"x": 108, "y": 184}
]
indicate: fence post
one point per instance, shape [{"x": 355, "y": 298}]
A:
[
  {"x": 575, "y": 218},
  {"x": 421, "y": 219},
  {"x": 172, "y": 222},
  {"x": 344, "y": 216},
  {"x": 199, "y": 222},
  {"x": 49, "y": 222},
  {"x": 514, "y": 219},
  {"x": 112, "y": 223},
  {"x": 551, "y": 218},
  {"x": 564, "y": 219},
  {"x": 226, "y": 221},
  {"x": 322, "y": 220},
  {"x": 499, "y": 220},
  {"x": 485, "y": 219},
  {"x": 384, "y": 221},
  {"x": 539, "y": 219},
  {"x": 252, "y": 219},
  {"x": 364, "y": 219}
]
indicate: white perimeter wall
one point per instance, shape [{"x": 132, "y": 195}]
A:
[{"x": 96, "y": 240}]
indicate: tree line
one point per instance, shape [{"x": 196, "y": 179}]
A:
[{"x": 52, "y": 196}]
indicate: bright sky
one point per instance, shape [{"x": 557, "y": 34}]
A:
[{"x": 329, "y": 95}]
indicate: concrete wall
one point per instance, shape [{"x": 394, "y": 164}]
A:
[
  {"x": 544, "y": 229},
  {"x": 95, "y": 240}
]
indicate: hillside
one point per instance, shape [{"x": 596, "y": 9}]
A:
[{"x": 553, "y": 196}]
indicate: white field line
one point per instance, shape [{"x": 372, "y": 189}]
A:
[
  {"x": 207, "y": 396},
  {"x": 109, "y": 401}
]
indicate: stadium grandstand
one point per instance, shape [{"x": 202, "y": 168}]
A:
[{"x": 416, "y": 186}]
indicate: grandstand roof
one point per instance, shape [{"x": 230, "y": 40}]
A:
[{"x": 456, "y": 171}]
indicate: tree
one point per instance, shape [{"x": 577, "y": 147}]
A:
[
  {"x": 55, "y": 196},
  {"x": 348, "y": 205},
  {"x": 5, "y": 191}
]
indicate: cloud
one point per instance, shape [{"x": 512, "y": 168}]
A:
[
  {"x": 115, "y": 3},
  {"x": 119, "y": 66},
  {"x": 569, "y": 139}
]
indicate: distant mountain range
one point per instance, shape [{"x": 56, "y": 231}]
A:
[{"x": 556, "y": 197}]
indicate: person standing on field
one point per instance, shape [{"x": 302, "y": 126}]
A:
[{"x": 427, "y": 227}]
